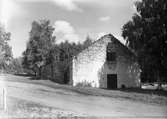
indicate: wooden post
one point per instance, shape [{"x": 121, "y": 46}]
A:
[{"x": 4, "y": 100}]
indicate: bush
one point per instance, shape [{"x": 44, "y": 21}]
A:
[{"x": 84, "y": 84}]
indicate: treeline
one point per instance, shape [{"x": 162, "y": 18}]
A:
[{"x": 46, "y": 59}]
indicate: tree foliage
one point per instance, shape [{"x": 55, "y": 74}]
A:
[
  {"x": 71, "y": 49},
  {"x": 66, "y": 52},
  {"x": 41, "y": 41},
  {"x": 145, "y": 34},
  {"x": 5, "y": 49},
  {"x": 46, "y": 58},
  {"x": 15, "y": 66}
]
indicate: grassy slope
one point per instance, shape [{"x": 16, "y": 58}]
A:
[
  {"x": 18, "y": 108},
  {"x": 146, "y": 96}
]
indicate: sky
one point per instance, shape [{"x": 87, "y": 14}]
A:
[{"x": 73, "y": 20}]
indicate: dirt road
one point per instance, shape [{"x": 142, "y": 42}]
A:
[{"x": 21, "y": 88}]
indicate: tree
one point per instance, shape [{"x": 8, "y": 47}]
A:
[
  {"x": 16, "y": 66},
  {"x": 52, "y": 58},
  {"x": 145, "y": 34},
  {"x": 67, "y": 51},
  {"x": 41, "y": 41},
  {"x": 87, "y": 42},
  {"x": 5, "y": 49}
]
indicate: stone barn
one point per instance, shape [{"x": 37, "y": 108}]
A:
[{"x": 107, "y": 63}]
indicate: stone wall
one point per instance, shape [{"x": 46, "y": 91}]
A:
[{"x": 91, "y": 66}]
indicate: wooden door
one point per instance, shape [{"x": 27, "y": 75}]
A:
[{"x": 112, "y": 81}]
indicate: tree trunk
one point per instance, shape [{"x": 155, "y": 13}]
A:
[
  {"x": 40, "y": 73},
  {"x": 159, "y": 87},
  {"x": 35, "y": 73},
  {"x": 52, "y": 71}
]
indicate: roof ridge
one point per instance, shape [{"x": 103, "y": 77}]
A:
[{"x": 112, "y": 38}]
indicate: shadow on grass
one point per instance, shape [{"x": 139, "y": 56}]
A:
[
  {"x": 30, "y": 76},
  {"x": 25, "y": 75},
  {"x": 33, "y": 77},
  {"x": 145, "y": 91}
]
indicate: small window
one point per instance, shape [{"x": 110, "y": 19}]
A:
[
  {"x": 123, "y": 86},
  {"x": 111, "y": 56}
]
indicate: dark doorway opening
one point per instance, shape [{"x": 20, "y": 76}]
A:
[
  {"x": 111, "y": 81},
  {"x": 67, "y": 76}
]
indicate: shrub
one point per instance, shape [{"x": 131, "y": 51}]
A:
[{"x": 84, "y": 84}]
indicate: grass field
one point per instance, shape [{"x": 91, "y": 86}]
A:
[
  {"x": 18, "y": 108},
  {"x": 144, "y": 95},
  {"x": 44, "y": 98}
]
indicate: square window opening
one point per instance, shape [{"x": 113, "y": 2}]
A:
[{"x": 111, "y": 56}]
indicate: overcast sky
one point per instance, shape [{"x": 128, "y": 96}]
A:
[{"x": 73, "y": 19}]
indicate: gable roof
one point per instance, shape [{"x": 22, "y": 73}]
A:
[
  {"x": 126, "y": 49},
  {"x": 115, "y": 40}
]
